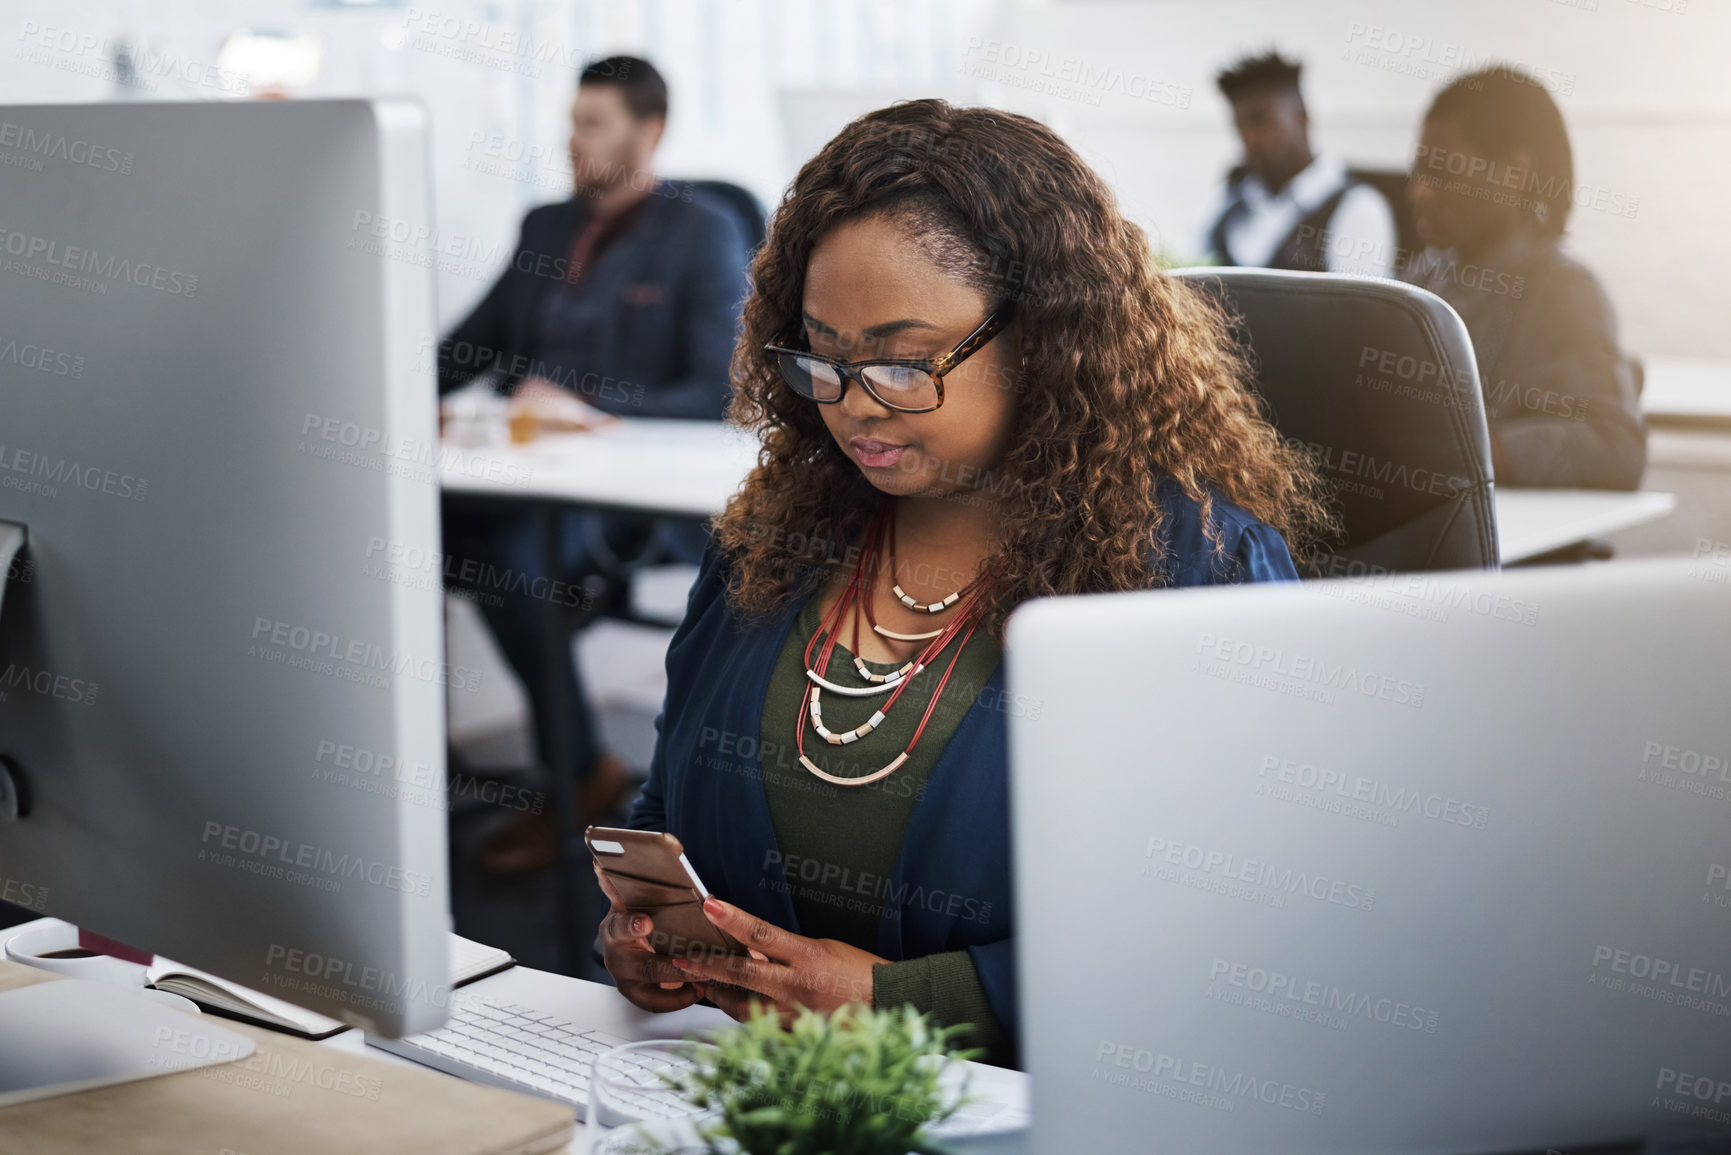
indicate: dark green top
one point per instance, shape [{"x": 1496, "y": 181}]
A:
[{"x": 839, "y": 844}]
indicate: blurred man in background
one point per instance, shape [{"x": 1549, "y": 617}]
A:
[
  {"x": 1492, "y": 186},
  {"x": 1287, "y": 207},
  {"x": 623, "y": 300},
  {"x": 625, "y": 297}
]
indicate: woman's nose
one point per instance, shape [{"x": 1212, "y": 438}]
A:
[{"x": 858, "y": 403}]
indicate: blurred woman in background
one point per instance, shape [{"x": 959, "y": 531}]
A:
[{"x": 1491, "y": 188}]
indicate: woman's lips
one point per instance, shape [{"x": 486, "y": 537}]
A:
[{"x": 876, "y": 454}]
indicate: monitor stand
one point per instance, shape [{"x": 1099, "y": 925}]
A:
[{"x": 70, "y": 1035}]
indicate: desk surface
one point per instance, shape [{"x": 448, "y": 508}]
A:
[
  {"x": 691, "y": 468},
  {"x": 643, "y": 465},
  {"x": 290, "y": 1096},
  {"x": 1531, "y": 522},
  {"x": 1687, "y": 391}
]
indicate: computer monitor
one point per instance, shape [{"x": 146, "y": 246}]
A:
[
  {"x": 221, "y": 689},
  {"x": 1435, "y": 863}
]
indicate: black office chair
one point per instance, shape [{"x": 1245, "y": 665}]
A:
[
  {"x": 739, "y": 201},
  {"x": 613, "y": 584},
  {"x": 1378, "y": 379}
]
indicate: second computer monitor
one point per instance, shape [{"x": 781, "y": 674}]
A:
[{"x": 1431, "y": 864}]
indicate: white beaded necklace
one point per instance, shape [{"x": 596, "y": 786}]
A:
[
  {"x": 852, "y": 598},
  {"x": 902, "y": 595}
]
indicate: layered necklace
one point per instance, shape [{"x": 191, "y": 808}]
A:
[{"x": 855, "y": 600}]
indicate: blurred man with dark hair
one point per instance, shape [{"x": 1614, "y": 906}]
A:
[
  {"x": 626, "y": 296},
  {"x": 1492, "y": 185},
  {"x": 623, "y": 300},
  {"x": 1285, "y": 206}
]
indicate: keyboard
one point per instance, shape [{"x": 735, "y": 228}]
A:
[{"x": 509, "y": 1045}]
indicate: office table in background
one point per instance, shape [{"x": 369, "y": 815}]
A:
[
  {"x": 1534, "y": 522},
  {"x": 691, "y": 468},
  {"x": 1687, "y": 392},
  {"x": 657, "y": 466}
]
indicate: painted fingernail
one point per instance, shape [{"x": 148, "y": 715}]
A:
[{"x": 712, "y": 905}]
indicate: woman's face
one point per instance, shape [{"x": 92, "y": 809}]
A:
[
  {"x": 872, "y": 291},
  {"x": 1457, "y": 198}
]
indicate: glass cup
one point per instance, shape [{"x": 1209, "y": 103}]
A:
[
  {"x": 626, "y": 1084},
  {"x": 661, "y": 1137},
  {"x": 473, "y": 419}
]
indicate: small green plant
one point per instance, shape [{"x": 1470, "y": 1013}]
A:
[{"x": 855, "y": 1082}]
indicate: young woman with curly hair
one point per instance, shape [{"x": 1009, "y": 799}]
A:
[{"x": 974, "y": 387}]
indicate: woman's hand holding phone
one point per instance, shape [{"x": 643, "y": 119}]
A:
[
  {"x": 648, "y": 980},
  {"x": 714, "y": 951},
  {"x": 783, "y": 972}
]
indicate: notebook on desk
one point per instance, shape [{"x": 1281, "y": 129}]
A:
[{"x": 470, "y": 960}]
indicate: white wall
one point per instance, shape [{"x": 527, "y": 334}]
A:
[
  {"x": 1644, "y": 91},
  {"x": 759, "y": 84},
  {"x": 728, "y": 63}
]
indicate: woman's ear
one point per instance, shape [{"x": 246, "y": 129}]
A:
[
  {"x": 1016, "y": 364},
  {"x": 1526, "y": 205}
]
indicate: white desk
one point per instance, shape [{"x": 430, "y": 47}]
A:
[
  {"x": 644, "y": 465},
  {"x": 1687, "y": 391},
  {"x": 691, "y": 468},
  {"x": 1531, "y": 522}
]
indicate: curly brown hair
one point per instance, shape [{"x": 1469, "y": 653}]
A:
[{"x": 1127, "y": 376}]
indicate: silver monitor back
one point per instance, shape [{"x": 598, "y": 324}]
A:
[
  {"x": 227, "y": 708},
  {"x": 1431, "y": 864}
]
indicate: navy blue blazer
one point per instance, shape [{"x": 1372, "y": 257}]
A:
[
  {"x": 951, "y": 886},
  {"x": 650, "y": 330}
]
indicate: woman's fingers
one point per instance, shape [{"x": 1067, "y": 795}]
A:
[
  {"x": 765, "y": 978},
  {"x": 760, "y": 937},
  {"x": 734, "y": 1002},
  {"x": 607, "y": 888},
  {"x": 621, "y": 927},
  {"x": 635, "y": 964},
  {"x": 649, "y": 980},
  {"x": 653, "y": 998}
]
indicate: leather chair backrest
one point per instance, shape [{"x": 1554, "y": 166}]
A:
[
  {"x": 741, "y": 202},
  {"x": 1377, "y": 379}
]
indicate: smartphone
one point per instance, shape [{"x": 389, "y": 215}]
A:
[{"x": 649, "y": 871}]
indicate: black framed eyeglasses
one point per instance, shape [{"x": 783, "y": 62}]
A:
[{"x": 902, "y": 385}]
